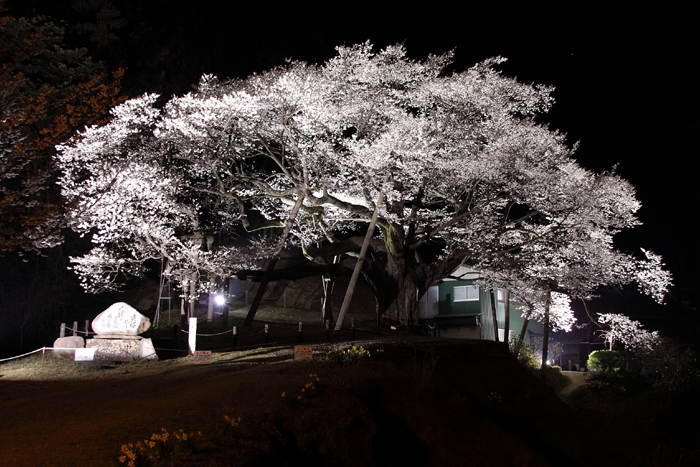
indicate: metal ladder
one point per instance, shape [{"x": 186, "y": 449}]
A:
[{"x": 164, "y": 282}]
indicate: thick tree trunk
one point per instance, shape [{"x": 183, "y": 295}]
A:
[
  {"x": 404, "y": 309},
  {"x": 402, "y": 303}
]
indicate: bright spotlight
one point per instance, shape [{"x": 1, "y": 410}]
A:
[{"x": 220, "y": 299}]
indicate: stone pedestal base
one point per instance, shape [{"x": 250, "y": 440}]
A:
[{"x": 120, "y": 348}]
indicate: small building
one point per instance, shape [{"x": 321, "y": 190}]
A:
[{"x": 456, "y": 307}]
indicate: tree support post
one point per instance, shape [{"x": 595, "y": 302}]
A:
[
  {"x": 358, "y": 266},
  {"x": 280, "y": 245},
  {"x": 494, "y": 297}
]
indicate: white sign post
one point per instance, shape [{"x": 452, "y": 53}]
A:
[
  {"x": 192, "y": 340},
  {"x": 84, "y": 355}
]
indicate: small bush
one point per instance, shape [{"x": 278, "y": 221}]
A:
[
  {"x": 605, "y": 361},
  {"x": 523, "y": 353}
]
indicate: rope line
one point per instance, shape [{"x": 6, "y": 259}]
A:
[
  {"x": 247, "y": 347},
  {"x": 209, "y": 335},
  {"x": 24, "y": 354}
]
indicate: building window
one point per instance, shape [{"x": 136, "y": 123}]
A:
[{"x": 466, "y": 293}]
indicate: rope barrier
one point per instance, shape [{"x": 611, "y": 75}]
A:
[
  {"x": 247, "y": 347},
  {"x": 209, "y": 335},
  {"x": 24, "y": 354}
]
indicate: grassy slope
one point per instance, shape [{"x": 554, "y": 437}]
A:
[{"x": 414, "y": 402}]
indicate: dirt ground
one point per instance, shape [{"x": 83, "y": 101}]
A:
[
  {"x": 416, "y": 400},
  {"x": 385, "y": 411}
]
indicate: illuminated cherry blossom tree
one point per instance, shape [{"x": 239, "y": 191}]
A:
[
  {"x": 628, "y": 332},
  {"x": 467, "y": 172}
]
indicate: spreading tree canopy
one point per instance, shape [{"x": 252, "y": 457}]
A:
[{"x": 467, "y": 170}]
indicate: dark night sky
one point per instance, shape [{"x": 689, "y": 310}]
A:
[{"x": 625, "y": 79}]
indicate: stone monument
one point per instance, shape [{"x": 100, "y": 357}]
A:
[{"x": 116, "y": 336}]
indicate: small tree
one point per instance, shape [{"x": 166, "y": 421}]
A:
[{"x": 628, "y": 332}]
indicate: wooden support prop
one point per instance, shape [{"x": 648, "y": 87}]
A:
[
  {"x": 75, "y": 328},
  {"x": 87, "y": 328},
  {"x": 273, "y": 261},
  {"x": 494, "y": 298},
  {"x": 235, "y": 338},
  {"x": 358, "y": 266},
  {"x": 62, "y": 331},
  {"x": 267, "y": 334}
]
